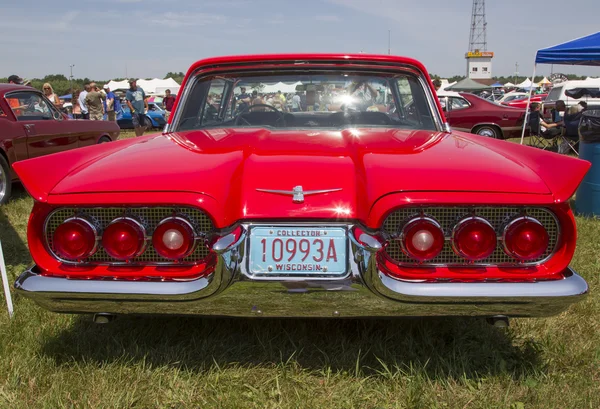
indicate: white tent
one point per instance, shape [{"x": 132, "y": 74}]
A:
[
  {"x": 151, "y": 87},
  {"x": 526, "y": 84},
  {"x": 280, "y": 86},
  {"x": 509, "y": 85},
  {"x": 446, "y": 84},
  {"x": 117, "y": 85}
]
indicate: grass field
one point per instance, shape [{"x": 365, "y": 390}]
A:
[{"x": 49, "y": 360}]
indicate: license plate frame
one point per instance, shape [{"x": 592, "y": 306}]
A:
[{"x": 258, "y": 269}]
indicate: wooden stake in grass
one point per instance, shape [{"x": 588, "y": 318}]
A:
[{"x": 9, "y": 303}]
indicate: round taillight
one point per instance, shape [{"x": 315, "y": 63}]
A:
[
  {"x": 173, "y": 238},
  {"x": 74, "y": 239},
  {"x": 422, "y": 239},
  {"x": 525, "y": 239},
  {"x": 124, "y": 239},
  {"x": 474, "y": 239}
]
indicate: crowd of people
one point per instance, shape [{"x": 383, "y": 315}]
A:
[
  {"x": 101, "y": 103},
  {"x": 362, "y": 96}
]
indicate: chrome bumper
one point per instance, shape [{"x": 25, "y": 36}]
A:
[{"x": 366, "y": 292}]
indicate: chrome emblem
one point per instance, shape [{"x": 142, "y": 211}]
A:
[{"x": 297, "y": 193}]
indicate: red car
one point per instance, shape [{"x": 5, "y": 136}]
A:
[
  {"x": 30, "y": 126},
  {"x": 358, "y": 202},
  {"x": 522, "y": 103},
  {"x": 470, "y": 113}
]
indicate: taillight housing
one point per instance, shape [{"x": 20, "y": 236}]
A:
[
  {"x": 525, "y": 239},
  {"x": 124, "y": 239},
  {"x": 173, "y": 238},
  {"x": 474, "y": 239},
  {"x": 75, "y": 239},
  {"x": 422, "y": 239}
]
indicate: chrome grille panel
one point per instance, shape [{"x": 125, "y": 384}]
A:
[
  {"x": 447, "y": 217},
  {"x": 149, "y": 217}
]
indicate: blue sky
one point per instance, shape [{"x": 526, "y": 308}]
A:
[{"x": 147, "y": 38}]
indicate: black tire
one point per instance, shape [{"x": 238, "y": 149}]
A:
[
  {"x": 5, "y": 181},
  {"x": 490, "y": 131},
  {"x": 104, "y": 139},
  {"x": 148, "y": 123}
]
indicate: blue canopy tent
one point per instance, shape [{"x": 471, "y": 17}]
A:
[
  {"x": 497, "y": 85},
  {"x": 67, "y": 96},
  {"x": 581, "y": 51}
]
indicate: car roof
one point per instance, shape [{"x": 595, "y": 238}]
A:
[{"x": 4, "y": 88}]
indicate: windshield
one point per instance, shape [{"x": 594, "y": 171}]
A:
[{"x": 332, "y": 100}]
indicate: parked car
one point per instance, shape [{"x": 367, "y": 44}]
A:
[
  {"x": 244, "y": 210},
  {"x": 522, "y": 103},
  {"x": 31, "y": 126},
  {"x": 574, "y": 92},
  {"x": 470, "y": 113},
  {"x": 155, "y": 117},
  {"x": 512, "y": 96}
]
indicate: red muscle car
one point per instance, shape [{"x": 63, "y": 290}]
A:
[
  {"x": 470, "y": 113},
  {"x": 522, "y": 103},
  {"x": 31, "y": 126},
  {"x": 359, "y": 201}
]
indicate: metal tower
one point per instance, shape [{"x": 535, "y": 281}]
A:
[
  {"x": 478, "y": 36},
  {"x": 479, "y": 59}
]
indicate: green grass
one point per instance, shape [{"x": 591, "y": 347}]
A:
[{"x": 50, "y": 360}]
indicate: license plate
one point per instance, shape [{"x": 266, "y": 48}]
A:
[{"x": 298, "y": 251}]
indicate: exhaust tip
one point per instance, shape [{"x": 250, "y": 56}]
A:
[
  {"x": 103, "y": 318},
  {"x": 499, "y": 321}
]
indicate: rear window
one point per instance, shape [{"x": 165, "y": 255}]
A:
[
  {"x": 330, "y": 99},
  {"x": 554, "y": 94}
]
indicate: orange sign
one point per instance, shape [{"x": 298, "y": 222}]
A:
[{"x": 479, "y": 54}]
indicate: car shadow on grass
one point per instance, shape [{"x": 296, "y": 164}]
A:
[
  {"x": 14, "y": 248},
  {"x": 449, "y": 348}
]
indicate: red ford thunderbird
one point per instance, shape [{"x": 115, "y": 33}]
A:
[
  {"x": 356, "y": 201},
  {"x": 30, "y": 126},
  {"x": 470, "y": 113}
]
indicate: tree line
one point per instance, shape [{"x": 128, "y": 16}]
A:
[{"x": 62, "y": 85}]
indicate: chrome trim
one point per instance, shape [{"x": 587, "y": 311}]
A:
[
  {"x": 232, "y": 239},
  {"x": 512, "y": 223},
  {"x": 140, "y": 226},
  {"x": 4, "y": 180},
  {"x": 297, "y": 192},
  {"x": 370, "y": 243},
  {"x": 459, "y": 225},
  {"x": 431, "y": 102}
]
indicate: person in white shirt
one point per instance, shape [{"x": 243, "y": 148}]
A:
[
  {"x": 296, "y": 103},
  {"x": 84, "y": 111}
]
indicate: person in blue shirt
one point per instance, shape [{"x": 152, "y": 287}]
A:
[
  {"x": 138, "y": 105},
  {"x": 112, "y": 105}
]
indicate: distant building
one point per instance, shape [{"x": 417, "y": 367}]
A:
[{"x": 479, "y": 64}]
